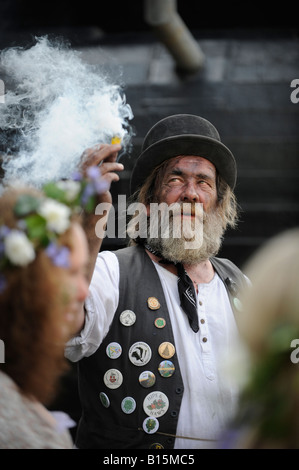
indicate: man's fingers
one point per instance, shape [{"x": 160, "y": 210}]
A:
[
  {"x": 108, "y": 167},
  {"x": 110, "y": 177},
  {"x": 99, "y": 153}
]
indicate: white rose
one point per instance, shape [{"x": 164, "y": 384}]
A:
[
  {"x": 71, "y": 189},
  {"x": 18, "y": 249},
  {"x": 56, "y": 214}
]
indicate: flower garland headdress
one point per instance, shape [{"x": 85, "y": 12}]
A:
[{"x": 41, "y": 220}]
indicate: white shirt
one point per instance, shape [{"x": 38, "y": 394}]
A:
[{"x": 208, "y": 399}]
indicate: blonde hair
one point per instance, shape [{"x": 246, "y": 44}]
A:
[
  {"x": 273, "y": 298},
  {"x": 269, "y": 322}
]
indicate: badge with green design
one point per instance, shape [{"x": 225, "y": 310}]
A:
[
  {"x": 150, "y": 425},
  {"x": 128, "y": 405}
]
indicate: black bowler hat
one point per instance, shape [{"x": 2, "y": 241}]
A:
[{"x": 183, "y": 134}]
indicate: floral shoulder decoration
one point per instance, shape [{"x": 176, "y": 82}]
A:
[
  {"x": 269, "y": 400},
  {"x": 42, "y": 220}
]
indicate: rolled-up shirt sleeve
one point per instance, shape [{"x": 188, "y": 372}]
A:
[{"x": 100, "y": 307}]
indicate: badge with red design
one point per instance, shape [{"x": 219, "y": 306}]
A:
[
  {"x": 156, "y": 404},
  {"x": 113, "y": 378}
]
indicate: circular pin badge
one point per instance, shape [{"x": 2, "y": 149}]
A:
[
  {"x": 140, "y": 353},
  {"x": 150, "y": 425},
  {"x": 113, "y": 378},
  {"x": 127, "y": 317},
  {"x": 147, "y": 379},
  {"x": 156, "y": 445},
  {"x": 104, "y": 400},
  {"x": 153, "y": 303},
  {"x": 155, "y": 404},
  {"x": 166, "y": 350},
  {"x": 166, "y": 368},
  {"x": 160, "y": 322},
  {"x": 128, "y": 405},
  {"x": 113, "y": 350}
]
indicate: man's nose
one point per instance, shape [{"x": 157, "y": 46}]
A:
[{"x": 191, "y": 193}]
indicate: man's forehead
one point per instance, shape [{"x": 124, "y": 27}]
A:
[{"x": 191, "y": 159}]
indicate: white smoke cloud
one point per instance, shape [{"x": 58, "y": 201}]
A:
[{"x": 56, "y": 107}]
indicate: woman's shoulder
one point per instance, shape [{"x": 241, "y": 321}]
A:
[{"x": 22, "y": 426}]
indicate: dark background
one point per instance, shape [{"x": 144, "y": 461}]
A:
[
  {"x": 254, "y": 115},
  {"x": 107, "y": 20},
  {"x": 250, "y": 105}
]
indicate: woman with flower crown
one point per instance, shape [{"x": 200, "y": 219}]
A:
[
  {"x": 266, "y": 365},
  {"x": 43, "y": 263}
]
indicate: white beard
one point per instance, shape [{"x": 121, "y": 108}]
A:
[{"x": 192, "y": 246}]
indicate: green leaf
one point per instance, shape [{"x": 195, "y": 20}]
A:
[
  {"x": 280, "y": 338},
  {"x": 25, "y": 205},
  {"x": 89, "y": 207},
  {"x": 53, "y": 191},
  {"x": 36, "y": 227}
]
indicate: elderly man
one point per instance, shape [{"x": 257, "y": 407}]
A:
[{"x": 161, "y": 313}]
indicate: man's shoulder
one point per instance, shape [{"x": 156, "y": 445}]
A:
[
  {"x": 226, "y": 268},
  {"x": 128, "y": 251},
  {"x": 225, "y": 262}
]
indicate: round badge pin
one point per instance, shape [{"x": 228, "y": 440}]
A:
[
  {"x": 127, "y": 317},
  {"x": 113, "y": 350},
  {"x": 128, "y": 405},
  {"x": 153, "y": 303},
  {"x": 166, "y": 350},
  {"x": 104, "y": 400},
  {"x": 150, "y": 425},
  {"x": 140, "y": 353},
  {"x": 156, "y": 445},
  {"x": 155, "y": 404},
  {"x": 147, "y": 379},
  {"x": 166, "y": 368},
  {"x": 160, "y": 322},
  {"x": 113, "y": 378}
]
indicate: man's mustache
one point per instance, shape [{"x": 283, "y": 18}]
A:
[{"x": 189, "y": 209}]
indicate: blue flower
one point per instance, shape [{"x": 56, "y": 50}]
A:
[
  {"x": 77, "y": 176},
  {"x": 101, "y": 186},
  {"x": 4, "y": 231},
  {"x": 93, "y": 173},
  {"x": 59, "y": 255},
  {"x": 88, "y": 192}
]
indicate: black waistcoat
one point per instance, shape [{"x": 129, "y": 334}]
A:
[{"x": 110, "y": 427}]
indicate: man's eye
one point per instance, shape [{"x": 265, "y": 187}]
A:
[{"x": 204, "y": 183}]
